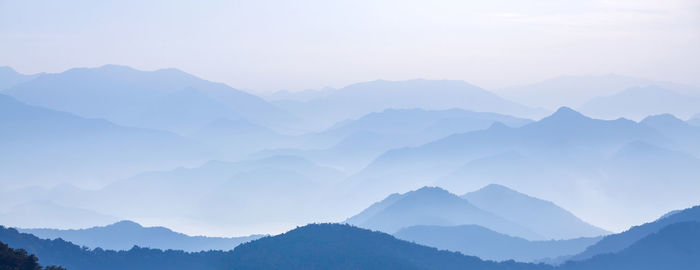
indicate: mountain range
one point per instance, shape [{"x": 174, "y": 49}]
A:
[
  {"x": 59, "y": 142},
  {"x": 166, "y": 99},
  {"x": 567, "y": 157},
  {"x": 335, "y": 246},
  {"x": 125, "y": 234},
  {"x": 495, "y": 207}
]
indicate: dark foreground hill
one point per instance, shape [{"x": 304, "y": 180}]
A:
[
  {"x": 336, "y": 246},
  {"x": 316, "y": 246}
]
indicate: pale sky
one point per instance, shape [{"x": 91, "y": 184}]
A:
[{"x": 272, "y": 45}]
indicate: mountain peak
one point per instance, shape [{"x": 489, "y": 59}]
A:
[{"x": 125, "y": 224}]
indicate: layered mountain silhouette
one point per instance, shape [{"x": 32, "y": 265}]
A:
[
  {"x": 334, "y": 246},
  {"x": 167, "y": 99},
  {"x": 574, "y": 91},
  {"x": 565, "y": 157},
  {"x": 44, "y": 213},
  {"x": 315, "y": 246},
  {"x": 695, "y": 120},
  {"x": 619, "y": 242},
  {"x": 489, "y": 245},
  {"x": 43, "y": 146},
  {"x": 543, "y": 217},
  {"x": 639, "y": 102},
  {"x": 9, "y": 77},
  {"x": 359, "y": 99},
  {"x": 432, "y": 206},
  {"x": 125, "y": 234},
  {"x": 675, "y": 246}
]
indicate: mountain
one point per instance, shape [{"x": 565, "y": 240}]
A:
[
  {"x": 684, "y": 135},
  {"x": 567, "y": 158},
  {"x": 432, "y": 206},
  {"x": 238, "y": 138},
  {"x": 695, "y": 120},
  {"x": 639, "y": 102},
  {"x": 543, "y": 217},
  {"x": 255, "y": 195},
  {"x": 566, "y": 138},
  {"x": 167, "y": 99},
  {"x": 124, "y": 235},
  {"x": 18, "y": 259},
  {"x": 315, "y": 246},
  {"x": 618, "y": 242},
  {"x": 574, "y": 91},
  {"x": 59, "y": 142},
  {"x": 352, "y": 144},
  {"x": 334, "y": 246},
  {"x": 359, "y": 99},
  {"x": 489, "y": 245},
  {"x": 676, "y": 246},
  {"x": 9, "y": 77},
  {"x": 47, "y": 214}
]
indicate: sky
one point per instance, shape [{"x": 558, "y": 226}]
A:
[{"x": 310, "y": 44}]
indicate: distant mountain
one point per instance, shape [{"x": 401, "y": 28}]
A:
[
  {"x": 567, "y": 158},
  {"x": 239, "y": 138},
  {"x": 432, "y": 206},
  {"x": 676, "y": 246},
  {"x": 166, "y": 99},
  {"x": 297, "y": 96},
  {"x": 684, "y": 135},
  {"x": 695, "y": 120},
  {"x": 621, "y": 241},
  {"x": 49, "y": 214},
  {"x": 639, "y": 102},
  {"x": 9, "y": 77},
  {"x": 250, "y": 192},
  {"x": 566, "y": 138},
  {"x": 359, "y": 99},
  {"x": 124, "y": 235},
  {"x": 43, "y": 146},
  {"x": 352, "y": 144},
  {"x": 543, "y": 217},
  {"x": 316, "y": 246},
  {"x": 574, "y": 91},
  {"x": 489, "y": 245}
]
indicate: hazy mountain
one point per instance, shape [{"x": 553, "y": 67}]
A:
[
  {"x": 574, "y": 91},
  {"x": 42, "y": 146},
  {"x": 695, "y": 120},
  {"x": 489, "y": 245},
  {"x": 639, "y": 102},
  {"x": 9, "y": 77},
  {"x": 618, "y": 242},
  {"x": 239, "y": 138},
  {"x": 124, "y": 235},
  {"x": 684, "y": 135},
  {"x": 359, "y": 99},
  {"x": 567, "y": 158},
  {"x": 432, "y": 206},
  {"x": 165, "y": 99},
  {"x": 316, "y": 246},
  {"x": 297, "y": 96},
  {"x": 676, "y": 246},
  {"x": 251, "y": 193},
  {"x": 44, "y": 214},
  {"x": 565, "y": 138},
  {"x": 352, "y": 144},
  {"x": 543, "y": 217}
]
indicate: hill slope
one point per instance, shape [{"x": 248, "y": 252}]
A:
[
  {"x": 489, "y": 245},
  {"x": 124, "y": 235},
  {"x": 543, "y": 217},
  {"x": 432, "y": 206}
]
